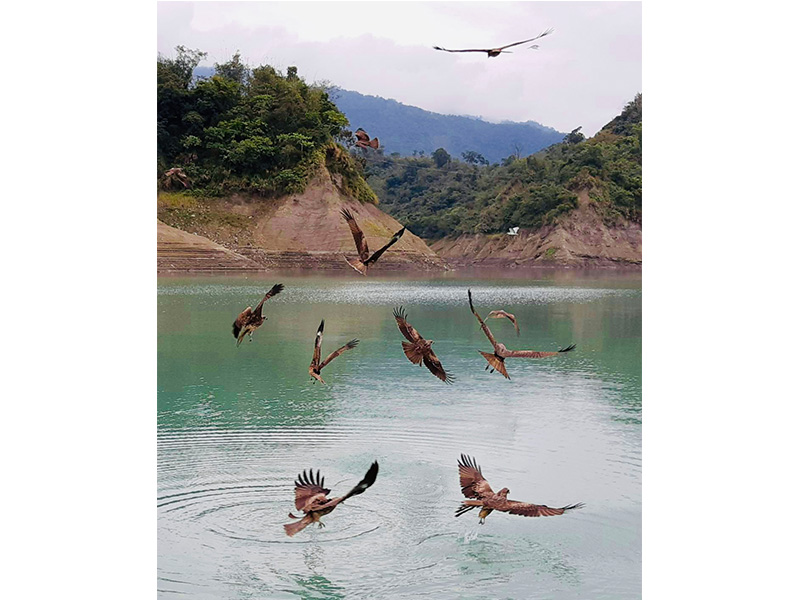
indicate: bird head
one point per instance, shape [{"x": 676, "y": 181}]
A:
[{"x": 503, "y": 492}]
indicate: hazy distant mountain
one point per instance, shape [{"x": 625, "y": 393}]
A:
[{"x": 403, "y": 129}]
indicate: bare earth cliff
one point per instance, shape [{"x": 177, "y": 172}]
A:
[
  {"x": 301, "y": 231},
  {"x": 579, "y": 239}
]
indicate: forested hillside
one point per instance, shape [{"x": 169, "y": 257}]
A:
[
  {"x": 408, "y": 130},
  {"x": 247, "y": 130},
  {"x": 441, "y": 195}
]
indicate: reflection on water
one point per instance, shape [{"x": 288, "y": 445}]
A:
[{"x": 236, "y": 425}]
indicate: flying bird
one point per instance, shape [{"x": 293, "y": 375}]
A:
[
  {"x": 249, "y": 320},
  {"x": 492, "y": 52},
  {"x": 315, "y": 367},
  {"x": 364, "y": 259},
  {"x": 479, "y": 493},
  {"x": 311, "y": 497},
  {"x": 418, "y": 350},
  {"x": 513, "y": 231},
  {"x": 499, "y": 314},
  {"x": 501, "y": 353},
  {"x": 363, "y": 141}
]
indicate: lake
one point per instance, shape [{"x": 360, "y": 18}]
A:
[{"x": 237, "y": 425}]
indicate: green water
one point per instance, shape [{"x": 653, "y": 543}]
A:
[{"x": 236, "y": 425}]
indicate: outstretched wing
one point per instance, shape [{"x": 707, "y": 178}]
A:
[
  {"x": 378, "y": 253},
  {"x": 405, "y": 328},
  {"x": 241, "y": 321},
  {"x": 548, "y": 32},
  {"x": 360, "y": 488},
  {"x": 307, "y": 486},
  {"x": 473, "y": 485},
  {"x": 469, "y": 50},
  {"x": 536, "y": 510},
  {"x": 499, "y": 314},
  {"x": 358, "y": 235},
  {"x": 535, "y": 353},
  {"x": 348, "y": 346},
  {"x": 483, "y": 325},
  {"x": 318, "y": 343},
  {"x": 274, "y": 291},
  {"x": 435, "y": 367}
]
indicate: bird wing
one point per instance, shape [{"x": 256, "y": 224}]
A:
[
  {"x": 535, "y": 353},
  {"x": 469, "y": 50},
  {"x": 435, "y": 367},
  {"x": 548, "y": 32},
  {"x": 483, "y": 325},
  {"x": 378, "y": 253},
  {"x": 358, "y": 235},
  {"x": 348, "y": 346},
  {"x": 535, "y": 510},
  {"x": 362, "y": 135},
  {"x": 318, "y": 344},
  {"x": 473, "y": 485},
  {"x": 241, "y": 321},
  {"x": 360, "y": 488},
  {"x": 274, "y": 291},
  {"x": 499, "y": 314},
  {"x": 306, "y": 487},
  {"x": 405, "y": 328}
]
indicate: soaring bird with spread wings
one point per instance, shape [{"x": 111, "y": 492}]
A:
[
  {"x": 480, "y": 494},
  {"x": 311, "y": 497},
  {"x": 315, "y": 367},
  {"x": 364, "y": 259},
  {"x": 492, "y": 52},
  {"x": 499, "y": 314},
  {"x": 363, "y": 141},
  {"x": 501, "y": 353},
  {"x": 418, "y": 350},
  {"x": 249, "y": 320}
]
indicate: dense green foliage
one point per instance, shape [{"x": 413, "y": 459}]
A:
[
  {"x": 406, "y": 129},
  {"x": 245, "y": 129},
  {"x": 441, "y": 195}
]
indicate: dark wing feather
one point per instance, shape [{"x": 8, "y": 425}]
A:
[
  {"x": 536, "y": 510},
  {"x": 469, "y": 50},
  {"x": 307, "y": 486},
  {"x": 358, "y": 235},
  {"x": 378, "y": 253},
  {"x": 435, "y": 367},
  {"x": 241, "y": 321},
  {"x": 318, "y": 343},
  {"x": 274, "y": 291},
  {"x": 548, "y": 32},
  {"x": 360, "y": 488},
  {"x": 486, "y": 330},
  {"x": 405, "y": 328},
  {"x": 348, "y": 346},
  {"x": 473, "y": 485}
]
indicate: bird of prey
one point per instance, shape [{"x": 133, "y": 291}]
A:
[
  {"x": 513, "y": 231},
  {"x": 311, "y": 497},
  {"x": 492, "y": 52},
  {"x": 364, "y": 259},
  {"x": 249, "y": 320},
  {"x": 363, "y": 141},
  {"x": 501, "y": 353},
  {"x": 499, "y": 314},
  {"x": 479, "y": 493},
  {"x": 315, "y": 367},
  {"x": 417, "y": 349}
]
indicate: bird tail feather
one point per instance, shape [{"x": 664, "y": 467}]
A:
[{"x": 293, "y": 528}]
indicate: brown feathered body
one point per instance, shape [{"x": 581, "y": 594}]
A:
[
  {"x": 363, "y": 141},
  {"x": 417, "y": 349},
  {"x": 497, "y": 359},
  {"x": 480, "y": 494},
  {"x": 251, "y": 319},
  {"x": 365, "y": 260},
  {"x": 316, "y": 365},
  {"x": 311, "y": 497}
]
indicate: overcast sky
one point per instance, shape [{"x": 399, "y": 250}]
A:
[{"x": 582, "y": 74}]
